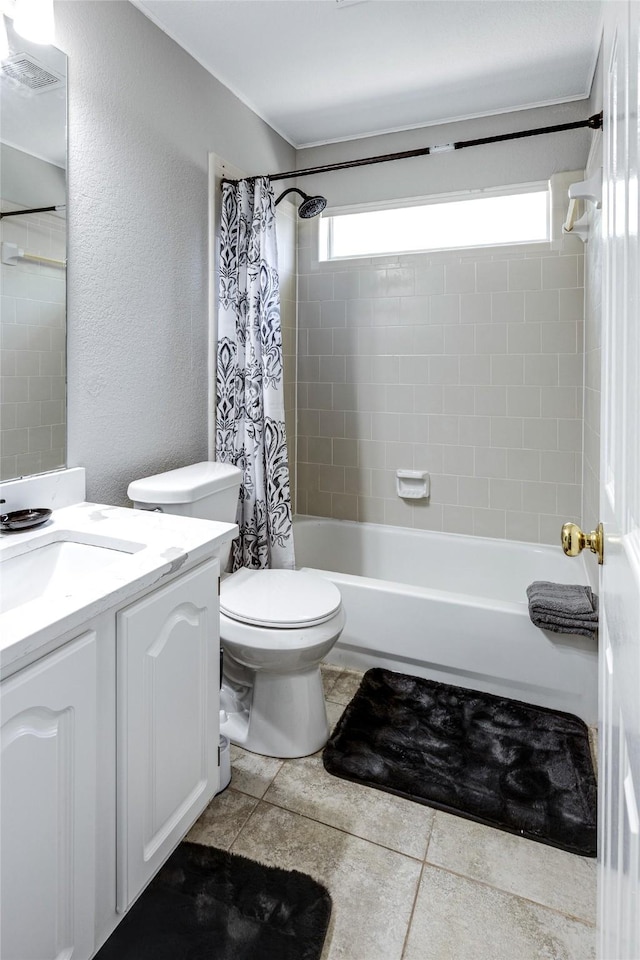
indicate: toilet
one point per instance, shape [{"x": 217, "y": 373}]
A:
[{"x": 275, "y": 625}]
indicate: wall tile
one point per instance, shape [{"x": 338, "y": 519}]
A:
[
  {"x": 525, "y": 275},
  {"x": 492, "y": 275},
  {"x": 475, "y": 308},
  {"x": 559, "y": 272},
  {"x": 492, "y": 337},
  {"x": 507, "y": 432},
  {"x": 459, "y": 339},
  {"x": 414, "y": 310},
  {"x": 445, "y": 309},
  {"x": 460, "y": 278},
  {"x": 473, "y": 491},
  {"x": 507, "y": 307},
  {"x": 560, "y": 337},
  {"x": 541, "y": 370},
  {"x": 490, "y": 400},
  {"x": 489, "y": 523},
  {"x": 430, "y": 280},
  {"x": 445, "y": 370},
  {"x": 459, "y": 399},
  {"x": 429, "y": 339},
  {"x": 333, "y": 313},
  {"x": 466, "y": 364},
  {"x": 523, "y": 464}
]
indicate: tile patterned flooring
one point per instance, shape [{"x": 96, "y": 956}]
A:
[{"x": 407, "y": 882}]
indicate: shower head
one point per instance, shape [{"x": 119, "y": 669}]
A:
[{"x": 310, "y": 206}]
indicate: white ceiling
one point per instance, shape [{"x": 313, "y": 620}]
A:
[{"x": 326, "y": 70}]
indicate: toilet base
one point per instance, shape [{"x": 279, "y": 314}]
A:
[{"x": 279, "y": 715}]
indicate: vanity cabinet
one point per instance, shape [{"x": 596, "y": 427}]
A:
[
  {"x": 167, "y": 722},
  {"x": 48, "y": 805},
  {"x": 109, "y": 753}
]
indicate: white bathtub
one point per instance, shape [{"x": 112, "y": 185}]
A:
[{"x": 451, "y": 608}]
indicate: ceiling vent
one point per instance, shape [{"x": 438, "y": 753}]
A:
[{"x": 29, "y": 72}]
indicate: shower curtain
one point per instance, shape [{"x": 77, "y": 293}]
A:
[{"x": 250, "y": 429}]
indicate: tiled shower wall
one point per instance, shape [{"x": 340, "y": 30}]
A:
[
  {"x": 33, "y": 432},
  {"x": 466, "y": 364}
]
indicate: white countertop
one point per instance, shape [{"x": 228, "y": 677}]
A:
[{"x": 163, "y": 544}]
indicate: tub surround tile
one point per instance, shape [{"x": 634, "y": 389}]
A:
[
  {"x": 372, "y": 888},
  {"x": 495, "y": 334},
  {"x": 550, "y": 877},
  {"x": 457, "y": 918},
  {"x": 303, "y": 786}
]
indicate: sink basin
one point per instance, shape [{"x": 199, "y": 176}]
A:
[{"x": 52, "y": 570}]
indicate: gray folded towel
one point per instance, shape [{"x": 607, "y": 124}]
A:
[{"x": 563, "y": 607}]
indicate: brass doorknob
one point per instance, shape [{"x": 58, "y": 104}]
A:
[{"x": 574, "y": 540}]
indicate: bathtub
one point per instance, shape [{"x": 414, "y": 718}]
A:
[{"x": 451, "y": 608}]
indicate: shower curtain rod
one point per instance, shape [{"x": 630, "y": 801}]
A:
[
  {"x": 594, "y": 123},
  {"x": 21, "y": 213}
]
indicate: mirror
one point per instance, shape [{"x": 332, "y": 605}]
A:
[{"x": 33, "y": 161}]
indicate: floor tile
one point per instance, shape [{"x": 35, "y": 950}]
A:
[
  {"x": 551, "y": 877},
  {"x": 329, "y": 673},
  {"x": 372, "y": 888},
  {"x": 345, "y": 687},
  {"x": 305, "y": 787},
  {"x": 251, "y": 772},
  {"x": 459, "y": 919},
  {"x": 223, "y": 819},
  {"x": 334, "y": 712}
]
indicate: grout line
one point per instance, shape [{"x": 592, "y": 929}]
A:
[
  {"x": 413, "y": 910},
  {"x": 423, "y": 861},
  {"x": 510, "y": 893},
  {"x": 347, "y": 833},
  {"x": 244, "y": 823}
]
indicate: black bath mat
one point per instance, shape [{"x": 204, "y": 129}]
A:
[
  {"x": 207, "y": 904},
  {"x": 511, "y": 765}
]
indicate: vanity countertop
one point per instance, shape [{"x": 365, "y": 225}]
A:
[{"x": 146, "y": 548}]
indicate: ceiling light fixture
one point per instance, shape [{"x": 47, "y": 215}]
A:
[{"x": 33, "y": 20}]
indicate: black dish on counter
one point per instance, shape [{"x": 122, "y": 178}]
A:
[{"x": 24, "y": 519}]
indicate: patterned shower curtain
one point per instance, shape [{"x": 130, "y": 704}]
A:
[{"x": 250, "y": 430}]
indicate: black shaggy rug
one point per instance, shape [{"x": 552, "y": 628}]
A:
[
  {"x": 207, "y": 904},
  {"x": 511, "y": 765}
]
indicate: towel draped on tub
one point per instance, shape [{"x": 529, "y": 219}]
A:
[{"x": 563, "y": 607}]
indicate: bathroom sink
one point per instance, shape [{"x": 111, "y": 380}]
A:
[{"x": 53, "y": 569}]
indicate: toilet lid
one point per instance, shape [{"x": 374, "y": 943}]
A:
[{"x": 278, "y": 598}]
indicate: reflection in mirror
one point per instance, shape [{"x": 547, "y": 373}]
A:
[{"x": 33, "y": 160}]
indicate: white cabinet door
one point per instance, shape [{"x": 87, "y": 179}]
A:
[
  {"x": 168, "y": 722},
  {"x": 47, "y": 811}
]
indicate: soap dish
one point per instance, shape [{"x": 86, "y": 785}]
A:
[{"x": 24, "y": 519}]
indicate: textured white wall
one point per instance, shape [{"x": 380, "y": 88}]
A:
[{"x": 143, "y": 116}]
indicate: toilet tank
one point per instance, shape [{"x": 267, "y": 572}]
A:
[{"x": 207, "y": 490}]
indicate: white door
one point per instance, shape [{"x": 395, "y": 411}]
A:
[
  {"x": 168, "y": 651},
  {"x": 619, "y": 869}
]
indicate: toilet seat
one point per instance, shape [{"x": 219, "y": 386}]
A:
[{"x": 278, "y": 599}]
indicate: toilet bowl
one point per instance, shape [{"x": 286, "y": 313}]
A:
[
  {"x": 275, "y": 625},
  {"x": 275, "y": 628}
]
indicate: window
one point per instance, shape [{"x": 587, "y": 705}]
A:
[{"x": 439, "y": 223}]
